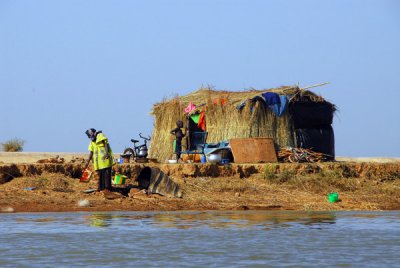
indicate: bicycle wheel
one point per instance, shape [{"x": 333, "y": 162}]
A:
[{"x": 129, "y": 151}]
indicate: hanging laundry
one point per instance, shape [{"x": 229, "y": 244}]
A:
[
  {"x": 257, "y": 98},
  {"x": 277, "y": 103},
  {"x": 253, "y": 102},
  {"x": 202, "y": 121},
  {"x": 190, "y": 108},
  {"x": 280, "y": 108},
  {"x": 195, "y": 118},
  {"x": 271, "y": 98},
  {"x": 284, "y": 104},
  {"x": 221, "y": 101},
  {"x": 241, "y": 105}
]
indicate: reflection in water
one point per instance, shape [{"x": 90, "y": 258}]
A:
[
  {"x": 99, "y": 219},
  {"x": 106, "y": 219},
  {"x": 244, "y": 219},
  {"x": 213, "y": 219},
  {"x": 195, "y": 219},
  {"x": 46, "y": 219}
]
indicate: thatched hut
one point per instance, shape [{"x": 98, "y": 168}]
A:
[{"x": 297, "y": 118}]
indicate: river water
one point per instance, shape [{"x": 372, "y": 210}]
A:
[{"x": 200, "y": 239}]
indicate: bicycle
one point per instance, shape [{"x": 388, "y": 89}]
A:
[{"x": 139, "y": 152}]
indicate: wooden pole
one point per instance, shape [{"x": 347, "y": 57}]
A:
[
  {"x": 317, "y": 85},
  {"x": 187, "y": 133}
]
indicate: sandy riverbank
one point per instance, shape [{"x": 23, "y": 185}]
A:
[
  {"x": 32, "y": 157},
  {"x": 28, "y": 186}
]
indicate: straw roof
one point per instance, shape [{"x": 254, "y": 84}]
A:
[{"x": 201, "y": 95}]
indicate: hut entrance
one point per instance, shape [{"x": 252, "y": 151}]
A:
[{"x": 196, "y": 140}]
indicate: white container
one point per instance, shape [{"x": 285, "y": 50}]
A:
[{"x": 172, "y": 161}]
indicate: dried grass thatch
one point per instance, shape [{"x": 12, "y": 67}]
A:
[{"x": 226, "y": 121}]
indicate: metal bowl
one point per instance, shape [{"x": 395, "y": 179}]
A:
[{"x": 214, "y": 158}]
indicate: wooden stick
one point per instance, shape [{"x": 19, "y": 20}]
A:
[{"x": 317, "y": 85}]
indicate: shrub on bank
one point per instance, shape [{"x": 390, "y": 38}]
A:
[
  {"x": 13, "y": 145},
  {"x": 269, "y": 172}
]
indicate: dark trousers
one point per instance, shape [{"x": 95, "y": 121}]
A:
[
  {"x": 104, "y": 178},
  {"x": 178, "y": 148}
]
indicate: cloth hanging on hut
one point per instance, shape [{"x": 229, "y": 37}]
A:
[
  {"x": 280, "y": 108},
  {"x": 195, "y": 118},
  {"x": 202, "y": 121},
  {"x": 271, "y": 98},
  {"x": 278, "y": 104},
  {"x": 241, "y": 105},
  {"x": 190, "y": 108},
  {"x": 253, "y": 102},
  {"x": 221, "y": 101}
]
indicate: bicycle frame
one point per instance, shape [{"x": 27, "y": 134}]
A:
[{"x": 139, "y": 151}]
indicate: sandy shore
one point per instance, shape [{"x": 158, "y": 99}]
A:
[{"x": 33, "y": 157}]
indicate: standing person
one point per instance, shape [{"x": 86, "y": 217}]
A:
[
  {"x": 101, "y": 153},
  {"x": 178, "y": 133}
]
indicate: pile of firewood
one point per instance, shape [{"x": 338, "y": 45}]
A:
[{"x": 299, "y": 155}]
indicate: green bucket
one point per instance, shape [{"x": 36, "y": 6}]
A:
[
  {"x": 119, "y": 179},
  {"x": 333, "y": 197}
]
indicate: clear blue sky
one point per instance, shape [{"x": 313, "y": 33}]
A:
[{"x": 66, "y": 66}]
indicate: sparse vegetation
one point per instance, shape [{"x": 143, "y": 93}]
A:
[
  {"x": 40, "y": 182},
  {"x": 318, "y": 184},
  {"x": 269, "y": 172},
  {"x": 286, "y": 174},
  {"x": 222, "y": 185},
  {"x": 13, "y": 145},
  {"x": 334, "y": 173}
]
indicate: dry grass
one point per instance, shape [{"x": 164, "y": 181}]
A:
[
  {"x": 308, "y": 192},
  {"x": 269, "y": 172},
  {"x": 46, "y": 181}
]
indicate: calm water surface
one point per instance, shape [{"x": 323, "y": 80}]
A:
[{"x": 200, "y": 239}]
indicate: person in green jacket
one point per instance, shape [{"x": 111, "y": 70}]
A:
[{"x": 101, "y": 153}]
